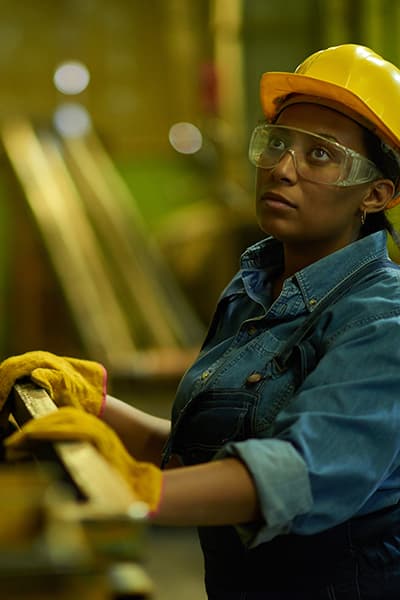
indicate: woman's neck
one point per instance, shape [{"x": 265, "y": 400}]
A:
[
  {"x": 299, "y": 256},
  {"x": 296, "y": 258}
]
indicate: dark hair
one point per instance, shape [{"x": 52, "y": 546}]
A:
[{"x": 384, "y": 158}]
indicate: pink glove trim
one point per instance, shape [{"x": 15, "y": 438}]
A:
[
  {"x": 104, "y": 399},
  {"x": 153, "y": 513}
]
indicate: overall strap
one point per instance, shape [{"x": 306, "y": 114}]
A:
[{"x": 282, "y": 358}]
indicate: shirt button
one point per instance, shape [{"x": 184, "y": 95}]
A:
[
  {"x": 252, "y": 330},
  {"x": 313, "y": 302},
  {"x": 205, "y": 374},
  {"x": 254, "y": 378}
]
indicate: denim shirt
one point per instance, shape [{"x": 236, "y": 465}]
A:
[{"x": 323, "y": 447}]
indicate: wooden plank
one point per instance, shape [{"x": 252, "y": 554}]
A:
[{"x": 96, "y": 480}]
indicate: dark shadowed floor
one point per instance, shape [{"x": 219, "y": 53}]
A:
[
  {"x": 173, "y": 559},
  {"x": 174, "y": 564}
]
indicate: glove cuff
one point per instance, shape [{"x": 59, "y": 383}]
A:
[
  {"x": 104, "y": 394},
  {"x": 153, "y": 512}
]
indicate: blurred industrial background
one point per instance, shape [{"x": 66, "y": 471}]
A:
[{"x": 126, "y": 196}]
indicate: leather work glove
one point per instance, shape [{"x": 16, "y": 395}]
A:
[
  {"x": 68, "y": 381},
  {"x": 68, "y": 423}
]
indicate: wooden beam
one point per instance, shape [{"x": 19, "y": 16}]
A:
[{"x": 102, "y": 487}]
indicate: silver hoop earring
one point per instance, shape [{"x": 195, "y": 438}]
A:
[{"x": 363, "y": 217}]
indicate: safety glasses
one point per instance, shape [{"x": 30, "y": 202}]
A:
[{"x": 316, "y": 158}]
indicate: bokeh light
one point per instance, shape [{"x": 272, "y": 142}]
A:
[
  {"x": 185, "y": 138},
  {"x": 71, "y": 77},
  {"x": 72, "y": 120}
]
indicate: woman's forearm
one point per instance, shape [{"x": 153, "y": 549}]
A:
[
  {"x": 220, "y": 492},
  {"x": 142, "y": 434}
]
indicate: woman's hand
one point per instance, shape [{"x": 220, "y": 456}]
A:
[
  {"x": 68, "y": 423},
  {"x": 68, "y": 381}
]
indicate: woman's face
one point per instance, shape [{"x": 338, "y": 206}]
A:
[{"x": 297, "y": 211}]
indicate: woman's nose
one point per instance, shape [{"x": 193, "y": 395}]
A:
[{"x": 286, "y": 169}]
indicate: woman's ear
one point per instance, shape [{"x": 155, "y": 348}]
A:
[{"x": 379, "y": 194}]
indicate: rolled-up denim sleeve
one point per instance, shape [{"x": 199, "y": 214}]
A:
[
  {"x": 335, "y": 450},
  {"x": 278, "y": 463}
]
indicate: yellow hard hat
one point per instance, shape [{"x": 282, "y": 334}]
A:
[{"x": 350, "y": 74}]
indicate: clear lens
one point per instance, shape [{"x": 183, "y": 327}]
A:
[{"x": 316, "y": 158}]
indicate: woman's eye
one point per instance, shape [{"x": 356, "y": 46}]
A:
[
  {"x": 276, "y": 143},
  {"x": 320, "y": 154}
]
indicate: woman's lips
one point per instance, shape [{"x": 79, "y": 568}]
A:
[{"x": 276, "y": 200}]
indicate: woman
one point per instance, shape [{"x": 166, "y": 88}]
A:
[{"x": 288, "y": 423}]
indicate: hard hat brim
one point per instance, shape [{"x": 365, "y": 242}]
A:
[{"x": 276, "y": 86}]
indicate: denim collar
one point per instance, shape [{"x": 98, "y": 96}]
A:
[{"x": 316, "y": 280}]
